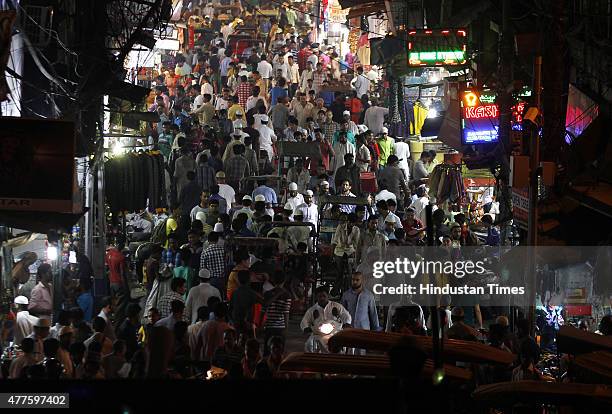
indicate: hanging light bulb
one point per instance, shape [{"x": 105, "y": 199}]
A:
[{"x": 433, "y": 113}]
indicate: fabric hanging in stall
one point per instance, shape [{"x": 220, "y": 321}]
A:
[
  {"x": 405, "y": 127},
  {"x": 434, "y": 180},
  {"x": 420, "y": 115},
  {"x": 446, "y": 184},
  {"x": 394, "y": 115},
  {"x": 136, "y": 181},
  {"x": 363, "y": 50},
  {"x": 353, "y": 39}
]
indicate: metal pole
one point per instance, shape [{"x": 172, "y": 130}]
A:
[{"x": 534, "y": 161}]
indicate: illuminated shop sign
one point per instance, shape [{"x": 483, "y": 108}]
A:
[
  {"x": 479, "y": 120},
  {"x": 517, "y": 116},
  {"x": 437, "y": 47}
]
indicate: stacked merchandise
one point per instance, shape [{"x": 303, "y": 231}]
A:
[
  {"x": 136, "y": 181},
  {"x": 446, "y": 184}
]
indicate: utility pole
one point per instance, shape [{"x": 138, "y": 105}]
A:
[
  {"x": 504, "y": 100},
  {"x": 534, "y": 173},
  {"x": 555, "y": 80}
]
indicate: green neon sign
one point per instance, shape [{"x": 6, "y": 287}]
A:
[
  {"x": 487, "y": 98},
  {"x": 443, "y": 56}
]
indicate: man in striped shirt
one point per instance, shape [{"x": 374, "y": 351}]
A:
[
  {"x": 213, "y": 259},
  {"x": 277, "y": 304},
  {"x": 318, "y": 77}
]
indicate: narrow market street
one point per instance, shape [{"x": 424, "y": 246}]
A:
[{"x": 378, "y": 205}]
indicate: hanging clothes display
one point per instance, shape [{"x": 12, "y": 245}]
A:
[
  {"x": 420, "y": 115},
  {"x": 406, "y": 126},
  {"x": 394, "y": 115},
  {"x": 400, "y": 100},
  {"x": 135, "y": 181},
  {"x": 446, "y": 184},
  {"x": 353, "y": 39},
  {"x": 363, "y": 50}
]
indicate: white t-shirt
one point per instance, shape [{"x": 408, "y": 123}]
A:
[
  {"x": 257, "y": 120},
  {"x": 295, "y": 201},
  {"x": 221, "y": 104},
  {"x": 402, "y": 151},
  {"x": 266, "y": 138},
  {"x": 228, "y": 193},
  {"x": 197, "y": 102},
  {"x": 375, "y": 118},
  {"x": 419, "y": 208},
  {"x": 265, "y": 69}
]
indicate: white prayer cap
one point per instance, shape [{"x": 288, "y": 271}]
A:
[{"x": 21, "y": 300}]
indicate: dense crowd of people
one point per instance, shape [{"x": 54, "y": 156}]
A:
[{"x": 206, "y": 299}]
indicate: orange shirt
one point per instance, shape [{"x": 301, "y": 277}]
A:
[{"x": 232, "y": 281}]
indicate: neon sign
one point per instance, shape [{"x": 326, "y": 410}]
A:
[
  {"x": 479, "y": 119},
  {"x": 481, "y": 137},
  {"x": 428, "y": 47},
  {"x": 482, "y": 111},
  {"x": 517, "y": 116}
]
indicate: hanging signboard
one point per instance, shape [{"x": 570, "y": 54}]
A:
[
  {"x": 479, "y": 120},
  {"x": 520, "y": 207},
  {"x": 428, "y": 47},
  {"x": 37, "y": 170}
]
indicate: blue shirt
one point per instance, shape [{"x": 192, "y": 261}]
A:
[
  {"x": 267, "y": 192},
  {"x": 85, "y": 302},
  {"x": 277, "y": 92},
  {"x": 171, "y": 257},
  {"x": 225, "y": 65},
  {"x": 328, "y": 97},
  {"x": 362, "y": 308}
]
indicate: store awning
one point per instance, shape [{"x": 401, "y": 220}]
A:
[
  {"x": 362, "y": 8},
  {"x": 40, "y": 222},
  {"x": 20, "y": 240}
]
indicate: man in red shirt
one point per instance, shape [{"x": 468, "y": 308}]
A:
[
  {"x": 117, "y": 275},
  {"x": 327, "y": 151},
  {"x": 243, "y": 91},
  {"x": 302, "y": 57}
]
